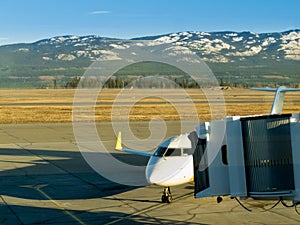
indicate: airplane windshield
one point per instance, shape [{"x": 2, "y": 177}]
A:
[
  {"x": 173, "y": 152},
  {"x": 160, "y": 151},
  {"x": 164, "y": 151}
]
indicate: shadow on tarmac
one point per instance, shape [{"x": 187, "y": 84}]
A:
[
  {"x": 37, "y": 215},
  {"x": 62, "y": 175}
]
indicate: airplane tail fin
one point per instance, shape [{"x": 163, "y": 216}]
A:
[
  {"x": 278, "y": 98},
  {"x": 119, "y": 142}
]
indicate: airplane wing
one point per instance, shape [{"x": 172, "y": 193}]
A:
[{"x": 132, "y": 151}]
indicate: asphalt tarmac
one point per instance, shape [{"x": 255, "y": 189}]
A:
[{"x": 45, "y": 180}]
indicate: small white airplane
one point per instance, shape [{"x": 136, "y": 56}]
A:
[{"x": 171, "y": 163}]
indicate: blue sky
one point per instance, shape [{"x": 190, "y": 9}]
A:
[{"x": 32, "y": 20}]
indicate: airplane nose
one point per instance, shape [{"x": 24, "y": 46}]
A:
[
  {"x": 158, "y": 172},
  {"x": 153, "y": 179},
  {"x": 158, "y": 176},
  {"x": 169, "y": 172},
  {"x": 153, "y": 175}
]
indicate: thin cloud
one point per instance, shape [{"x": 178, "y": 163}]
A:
[
  {"x": 99, "y": 12},
  {"x": 4, "y": 41}
]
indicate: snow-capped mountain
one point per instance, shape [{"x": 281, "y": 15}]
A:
[
  {"x": 223, "y": 51},
  {"x": 218, "y": 47}
]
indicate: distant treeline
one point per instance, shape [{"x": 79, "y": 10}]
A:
[
  {"x": 143, "y": 82},
  {"x": 164, "y": 82}
]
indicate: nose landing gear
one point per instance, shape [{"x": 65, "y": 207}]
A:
[{"x": 166, "y": 197}]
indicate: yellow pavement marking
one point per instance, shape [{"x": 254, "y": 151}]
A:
[
  {"x": 70, "y": 214},
  {"x": 148, "y": 209}
]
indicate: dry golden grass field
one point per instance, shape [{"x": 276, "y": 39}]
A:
[{"x": 56, "y": 105}]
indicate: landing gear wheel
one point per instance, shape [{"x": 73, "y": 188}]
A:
[
  {"x": 166, "y": 197},
  {"x": 169, "y": 199},
  {"x": 219, "y": 199}
]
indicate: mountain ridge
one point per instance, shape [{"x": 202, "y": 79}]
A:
[{"x": 231, "y": 55}]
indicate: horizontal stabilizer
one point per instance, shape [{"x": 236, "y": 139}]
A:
[{"x": 278, "y": 98}]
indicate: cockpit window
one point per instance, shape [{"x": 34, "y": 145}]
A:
[
  {"x": 173, "y": 152},
  {"x": 188, "y": 151},
  {"x": 160, "y": 151},
  {"x": 164, "y": 151}
]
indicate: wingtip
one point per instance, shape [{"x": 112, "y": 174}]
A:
[{"x": 118, "y": 146}]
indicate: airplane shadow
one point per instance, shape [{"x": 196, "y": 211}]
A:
[{"x": 61, "y": 174}]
